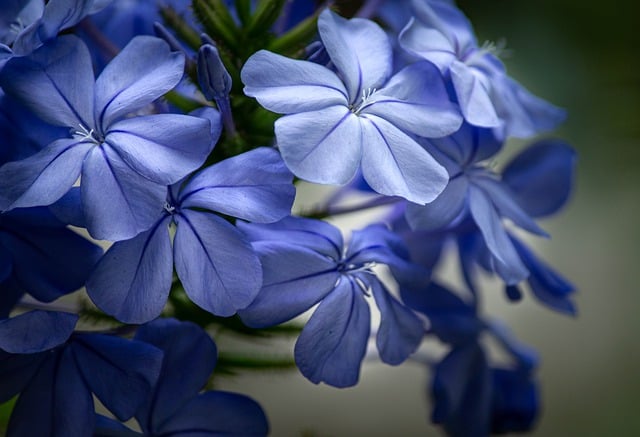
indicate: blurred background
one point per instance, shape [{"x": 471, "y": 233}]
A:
[{"x": 585, "y": 57}]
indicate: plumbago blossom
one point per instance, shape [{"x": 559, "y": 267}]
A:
[{"x": 183, "y": 155}]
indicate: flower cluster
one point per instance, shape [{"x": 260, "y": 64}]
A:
[{"x": 154, "y": 167}]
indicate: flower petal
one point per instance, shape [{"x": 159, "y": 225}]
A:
[
  {"x": 143, "y": 71},
  {"x": 43, "y": 178},
  {"x": 317, "y": 235},
  {"x": 56, "y": 82},
  {"x": 525, "y": 115},
  {"x": 48, "y": 259},
  {"x": 288, "y": 86},
  {"x": 427, "y": 43},
  {"x": 415, "y": 100},
  {"x": 120, "y": 372},
  {"x": 440, "y": 213},
  {"x": 189, "y": 358},
  {"x": 132, "y": 280},
  {"x": 395, "y": 165},
  {"x": 507, "y": 206},
  {"x": 333, "y": 343},
  {"x": 292, "y": 274},
  {"x": 36, "y": 331},
  {"x": 473, "y": 96},
  {"x": 216, "y": 264},
  {"x": 496, "y": 238},
  {"x": 359, "y": 49},
  {"x": 218, "y": 413},
  {"x": 164, "y": 148},
  {"x": 254, "y": 186},
  {"x": 321, "y": 146},
  {"x": 118, "y": 202},
  {"x": 542, "y": 176},
  {"x": 400, "y": 332}
]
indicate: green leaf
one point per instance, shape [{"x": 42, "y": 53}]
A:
[
  {"x": 174, "y": 21},
  {"x": 266, "y": 14},
  {"x": 297, "y": 38},
  {"x": 217, "y": 21},
  {"x": 243, "y": 8}
]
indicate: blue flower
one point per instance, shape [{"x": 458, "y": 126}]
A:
[
  {"x": 475, "y": 191},
  {"x": 124, "y": 164},
  {"x": 175, "y": 406},
  {"x": 304, "y": 263},
  {"x": 488, "y": 97},
  {"x": 536, "y": 183},
  {"x": 213, "y": 259},
  {"x": 471, "y": 397},
  {"x": 40, "y": 256},
  {"x": 56, "y": 372},
  {"x": 360, "y": 117}
]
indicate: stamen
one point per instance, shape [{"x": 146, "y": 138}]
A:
[
  {"x": 170, "y": 209},
  {"x": 364, "y": 100},
  {"x": 85, "y": 134}
]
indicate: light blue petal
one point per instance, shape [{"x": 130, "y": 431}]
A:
[
  {"x": 132, "y": 280},
  {"x": 496, "y": 238},
  {"x": 143, "y": 71},
  {"x": 541, "y": 177},
  {"x": 415, "y": 100},
  {"x": 254, "y": 186},
  {"x": 288, "y": 86},
  {"x": 36, "y": 331},
  {"x": 473, "y": 96},
  {"x": 448, "y": 19},
  {"x": 442, "y": 212},
  {"x": 164, "y": 148},
  {"x": 56, "y": 82},
  {"x": 393, "y": 164},
  {"x": 333, "y": 343},
  {"x": 292, "y": 274},
  {"x": 359, "y": 49},
  {"x": 427, "y": 43},
  {"x": 43, "y": 178},
  {"x": 216, "y": 264},
  {"x": 321, "y": 146},
  {"x": 400, "y": 332},
  {"x": 118, "y": 202}
]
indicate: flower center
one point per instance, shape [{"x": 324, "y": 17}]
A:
[
  {"x": 363, "y": 102},
  {"x": 86, "y": 134}
]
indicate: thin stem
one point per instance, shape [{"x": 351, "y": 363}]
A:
[
  {"x": 36, "y": 305},
  {"x": 109, "y": 49},
  {"x": 369, "y": 8},
  {"x": 328, "y": 210}
]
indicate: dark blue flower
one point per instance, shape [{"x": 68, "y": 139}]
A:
[
  {"x": 175, "y": 406},
  {"x": 56, "y": 372},
  {"x": 213, "y": 259},
  {"x": 40, "y": 256},
  {"x": 124, "y": 163},
  {"x": 304, "y": 263},
  {"x": 358, "y": 118}
]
